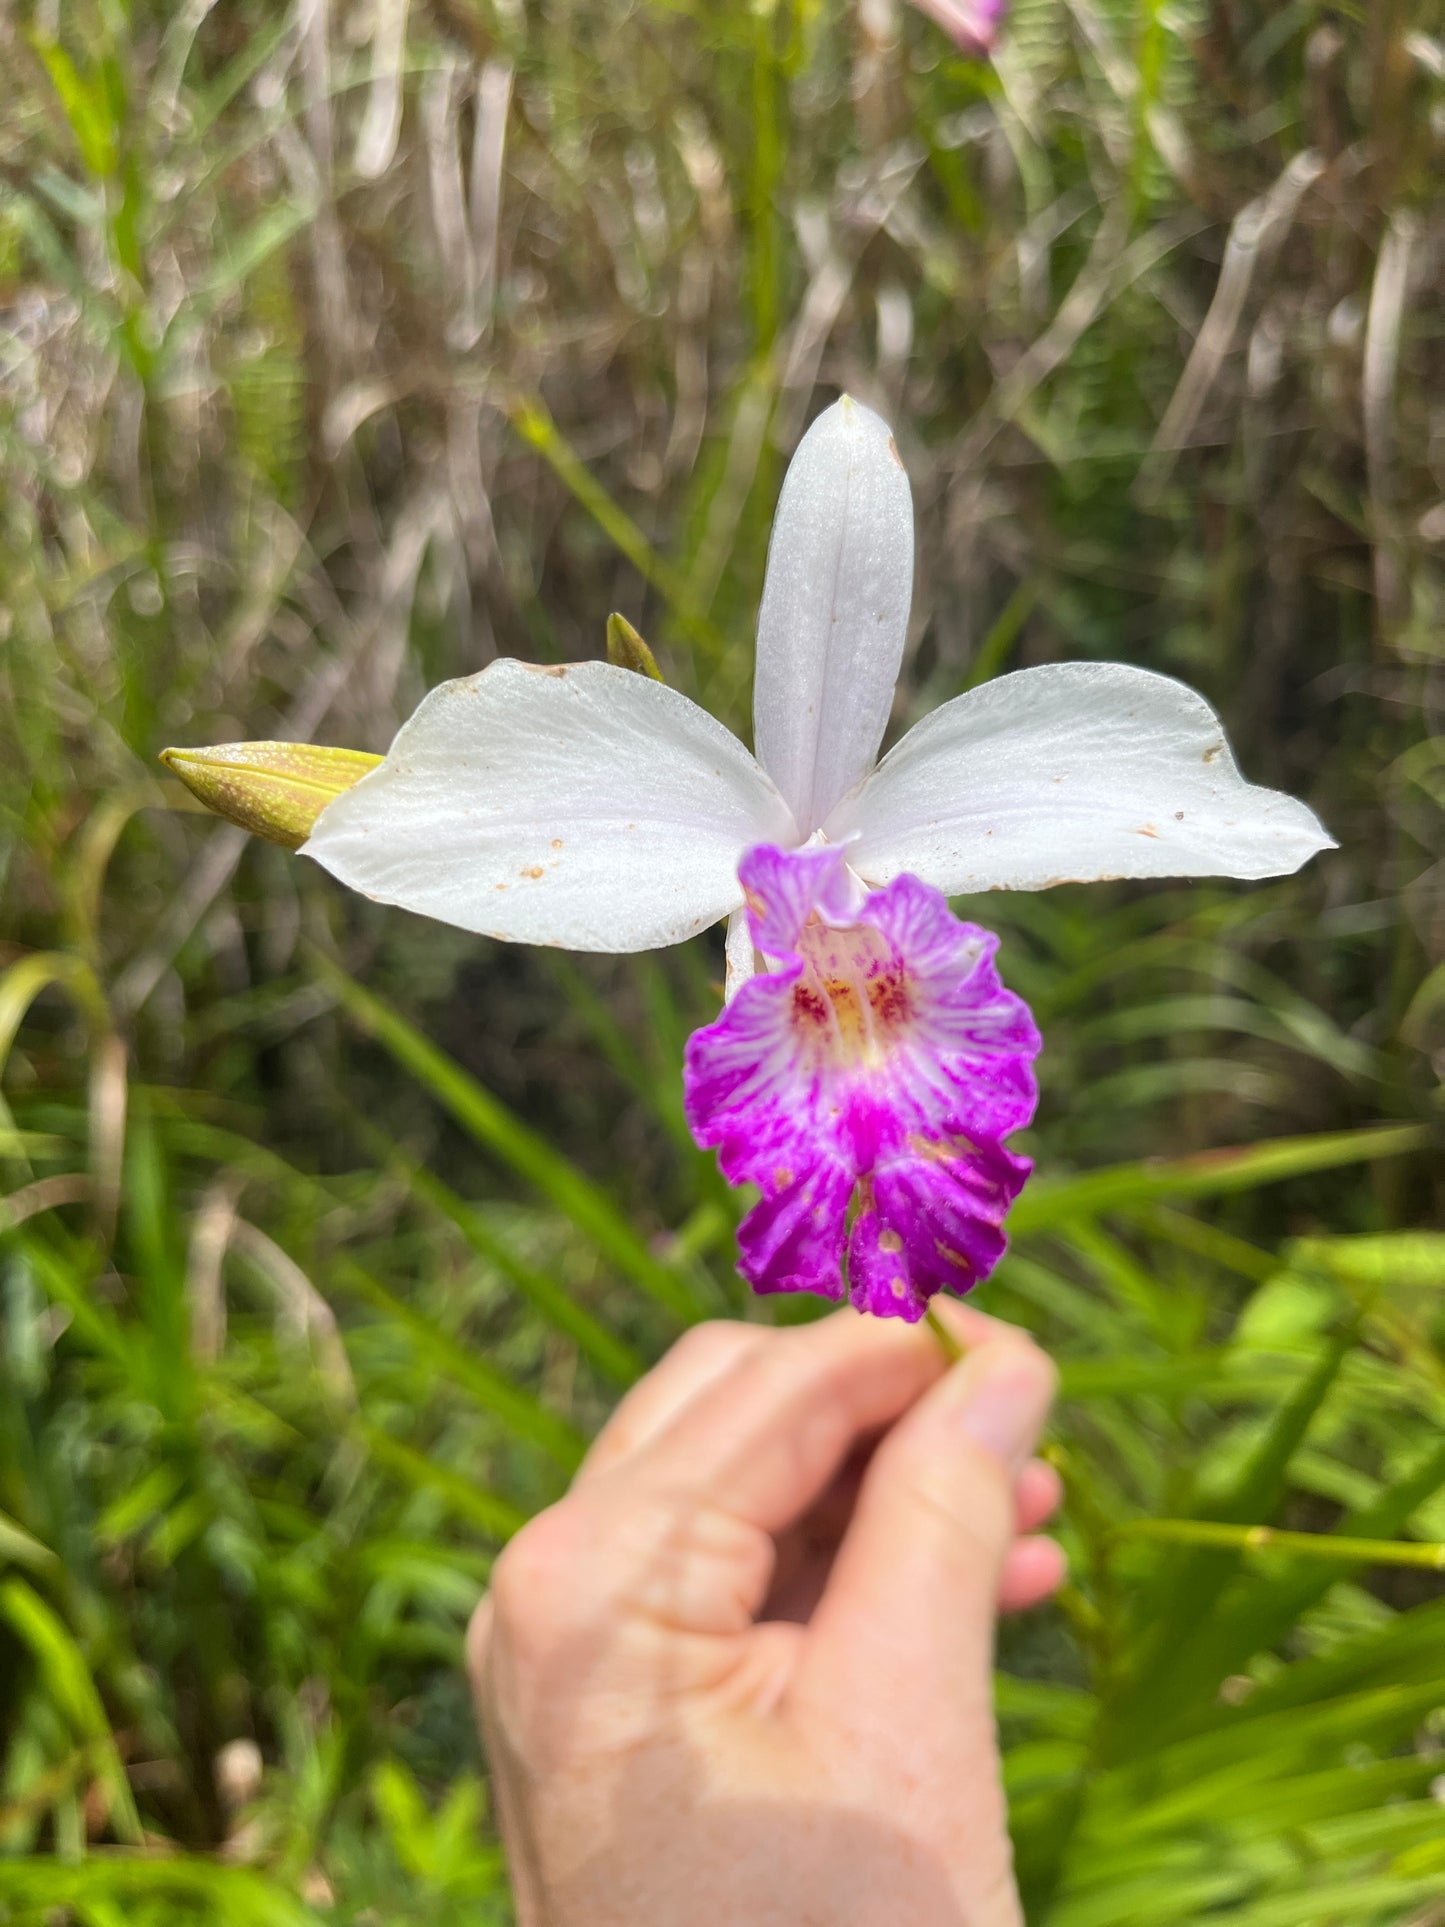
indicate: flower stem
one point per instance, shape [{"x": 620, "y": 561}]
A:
[{"x": 952, "y": 1350}]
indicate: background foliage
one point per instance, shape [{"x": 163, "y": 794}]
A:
[{"x": 345, "y": 346}]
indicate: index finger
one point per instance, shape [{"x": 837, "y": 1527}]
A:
[{"x": 764, "y": 1437}]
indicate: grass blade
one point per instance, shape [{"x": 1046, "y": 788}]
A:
[
  {"x": 1051, "y": 1202},
  {"x": 485, "y": 1118},
  {"x": 495, "y": 1516},
  {"x": 71, "y": 1689},
  {"x": 518, "y": 1410},
  {"x": 609, "y": 1353}
]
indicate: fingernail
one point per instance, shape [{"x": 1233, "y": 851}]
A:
[{"x": 1002, "y": 1395}]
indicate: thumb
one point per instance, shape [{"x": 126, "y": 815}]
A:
[{"x": 907, "y": 1620}]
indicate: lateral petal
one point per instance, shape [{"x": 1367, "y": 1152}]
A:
[
  {"x": 1073, "y": 772},
  {"x": 834, "y": 610},
  {"x": 578, "y": 805}
]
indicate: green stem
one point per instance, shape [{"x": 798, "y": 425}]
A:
[
  {"x": 952, "y": 1350},
  {"x": 1317, "y": 1545}
]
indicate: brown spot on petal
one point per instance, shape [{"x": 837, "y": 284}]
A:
[
  {"x": 556, "y": 842},
  {"x": 1148, "y": 830},
  {"x": 535, "y": 871},
  {"x": 893, "y": 451},
  {"x": 889, "y": 1241},
  {"x": 1213, "y": 753}
]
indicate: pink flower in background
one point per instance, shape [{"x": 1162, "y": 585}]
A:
[
  {"x": 974, "y": 24},
  {"x": 876, "y": 1064}
]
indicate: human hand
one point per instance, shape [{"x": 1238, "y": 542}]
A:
[{"x": 742, "y": 1672}]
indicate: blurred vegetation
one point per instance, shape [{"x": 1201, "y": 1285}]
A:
[{"x": 344, "y": 346}]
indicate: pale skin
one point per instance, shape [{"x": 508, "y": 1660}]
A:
[{"x": 742, "y": 1673}]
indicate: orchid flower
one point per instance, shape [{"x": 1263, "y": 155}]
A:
[{"x": 866, "y": 1076}]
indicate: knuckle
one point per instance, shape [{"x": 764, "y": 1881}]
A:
[
  {"x": 717, "y": 1343},
  {"x": 534, "y": 1577},
  {"x": 769, "y": 1370},
  {"x": 702, "y": 1355},
  {"x": 695, "y": 1567},
  {"x": 523, "y": 1641},
  {"x": 479, "y": 1638}
]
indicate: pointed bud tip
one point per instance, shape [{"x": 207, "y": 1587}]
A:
[
  {"x": 274, "y": 790},
  {"x": 627, "y": 650}
]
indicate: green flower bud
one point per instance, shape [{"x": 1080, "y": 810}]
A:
[
  {"x": 275, "y": 790},
  {"x": 627, "y": 649}
]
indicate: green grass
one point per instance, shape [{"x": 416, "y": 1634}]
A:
[{"x": 327, "y": 1238}]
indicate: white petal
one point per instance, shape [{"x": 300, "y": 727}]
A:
[
  {"x": 741, "y": 958},
  {"x": 580, "y": 805},
  {"x": 1074, "y": 772},
  {"x": 834, "y": 610}
]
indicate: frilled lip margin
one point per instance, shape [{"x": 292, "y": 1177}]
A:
[{"x": 865, "y": 1080}]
